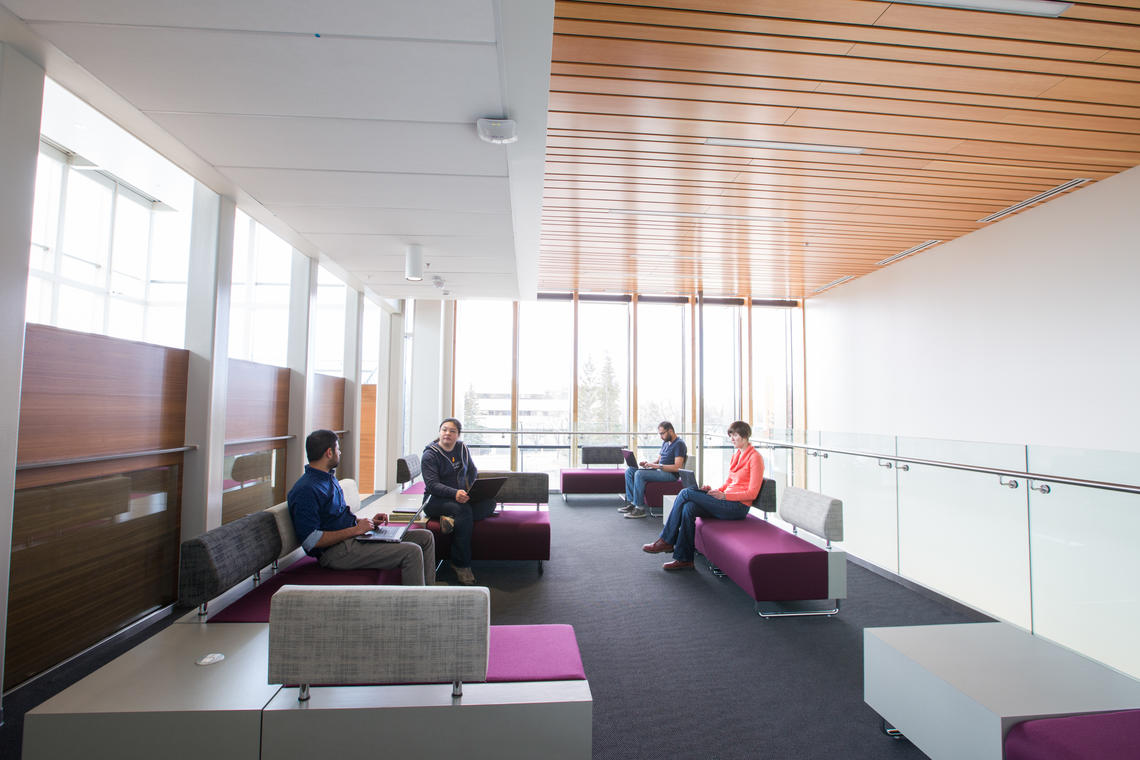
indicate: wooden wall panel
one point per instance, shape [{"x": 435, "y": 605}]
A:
[
  {"x": 87, "y": 395},
  {"x": 327, "y": 403},
  {"x": 367, "y": 477},
  {"x": 257, "y": 401}
]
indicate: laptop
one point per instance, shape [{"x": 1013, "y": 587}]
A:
[
  {"x": 485, "y": 488},
  {"x": 631, "y": 460},
  {"x": 392, "y": 533}
]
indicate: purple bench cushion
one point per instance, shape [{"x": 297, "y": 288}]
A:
[
  {"x": 593, "y": 481},
  {"x": 1076, "y": 737},
  {"x": 254, "y": 606},
  {"x": 533, "y": 653},
  {"x": 509, "y": 534},
  {"x": 657, "y": 490},
  {"x": 769, "y": 563},
  {"x": 415, "y": 488}
]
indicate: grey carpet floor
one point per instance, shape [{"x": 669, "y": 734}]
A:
[{"x": 679, "y": 664}]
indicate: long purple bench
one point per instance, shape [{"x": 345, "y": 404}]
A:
[
  {"x": 1095, "y": 736},
  {"x": 773, "y": 565},
  {"x": 588, "y": 480}
]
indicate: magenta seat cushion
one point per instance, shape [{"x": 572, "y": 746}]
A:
[
  {"x": 254, "y": 606},
  {"x": 589, "y": 480},
  {"x": 767, "y": 562},
  {"x": 414, "y": 488},
  {"x": 656, "y": 490},
  {"x": 1103, "y": 736},
  {"x": 514, "y": 534},
  {"x": 533, "y": 653}
]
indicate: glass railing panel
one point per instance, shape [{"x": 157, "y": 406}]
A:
[
  {"x": 551, "y": 460},
  {"x": 964, "y": 534},
  {"x": 868, "y": 490},
  {"x": 1084, "y": 558}
]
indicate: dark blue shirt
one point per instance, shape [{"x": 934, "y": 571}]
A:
[
  {"x": 317, "y": 504},
  {"x": 670, "y": 450}
]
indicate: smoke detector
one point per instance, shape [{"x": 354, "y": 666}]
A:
[{"x": 497, "y": 131}]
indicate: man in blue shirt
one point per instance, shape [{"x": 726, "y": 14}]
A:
[
  {"x": 672, "y": 458},
  {"x": 327, "y": 528}
]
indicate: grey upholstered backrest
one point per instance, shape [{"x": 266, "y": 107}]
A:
[
  {"x": 219, "y": 559},
  {"x": 602, "y": 455},
  {"x": 766, "y": 501},
  {"x": 408, "y": 468},
  {"x": 289, "y": 542},
  {"x": 378, "y": 634},
  {"x": 814, "y": 512},
  {"x": 521, "y": 487}
]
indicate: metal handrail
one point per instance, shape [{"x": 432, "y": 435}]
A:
[
  {"x": 101, "y": 458},
  {"x": 1033, "y": 476}
]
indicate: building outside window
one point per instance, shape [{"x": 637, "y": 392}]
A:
[
  {"x": 546, "y": 376},
  {"x": 484, "y": 333}
]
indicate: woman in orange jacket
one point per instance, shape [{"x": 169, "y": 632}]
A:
[{"x": 729, "y": 502}]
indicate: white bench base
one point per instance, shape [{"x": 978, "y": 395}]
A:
[{"x": 955, "y": 690}]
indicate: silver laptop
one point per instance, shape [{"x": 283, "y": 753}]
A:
[{"x": 392, "y": 533}]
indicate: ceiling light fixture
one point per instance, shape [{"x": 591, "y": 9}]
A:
[
  {"x": 696, "y": 215},
  {"x": 1023, "y": 7},
  {"x": 497, "y": 131},
  {"x": 414, "y": 263},
  {"x": 840, "y": 281},
  {"x": 1035, "y": 199},
  {"x": 733, "y": 142},
  {"x": 907, "y": 252}
]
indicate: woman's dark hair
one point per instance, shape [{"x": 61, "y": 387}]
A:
[
  {"x": 318, "y": 442},
  {"x": 457, "y": 423},
  {"x": 741, "y": 428}
]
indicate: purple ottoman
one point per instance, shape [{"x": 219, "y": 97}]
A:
[
  {"x": 1097, "y": 736},
  {"x": 507, "y": 534},
  {"x": 770, "y": 564},
  {"x": 533, "y": 653},
  {"x": 254, "y": 606},
  {"x": 586, "y": 480}
]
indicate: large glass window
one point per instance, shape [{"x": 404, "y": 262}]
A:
[
  {"x": 662, "y": 371},
  {"x": 259, "y": 296},
  {"x": 111, "y": 229},
  {"x": 546, "y": 374},
  {"x": 328, "y": 337},
  {"x": 603, "y": 372},
  {"x": 721, "y": 387},
  {"x": 770, "y": 362},
  {"x": 484, "y": 332}
]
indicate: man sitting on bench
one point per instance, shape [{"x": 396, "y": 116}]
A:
[
  {"x": 665, "y": 467},
  {"x": 327, "y": 528}
]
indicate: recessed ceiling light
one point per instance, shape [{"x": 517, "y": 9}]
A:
[
  {"x": 1023, "y": 7},
  {"x": 1035, "y": 199},
  {"x": 695, "y": 215},
  {"x": 832, "y": 284},
  {"x": 907, "y": 252},
  {"x": 733, "y": 142}
]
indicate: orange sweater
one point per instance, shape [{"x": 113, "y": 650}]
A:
[{"x": 745, "y": 475}]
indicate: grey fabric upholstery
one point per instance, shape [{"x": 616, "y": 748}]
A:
[
  {"x": 521, "y": 487},
  {"x": 602, "y": 455},
  {"x": 289, "y": 542},
  {"x": 814, "y": 512},
  {"x": 367, "y": 634},
  {"x": 766, "y": 501},
  {"x": 221, "y": 558},
  {"x": 351, "y": 493},
  {"x": 408, "y": 468}
]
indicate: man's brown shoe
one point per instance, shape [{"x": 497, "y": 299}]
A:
[
  {"x": 657, "y": 547},
  {"x": 677, "y": 565}
]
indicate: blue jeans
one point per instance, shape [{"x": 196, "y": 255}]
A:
[
  {"x": 680, "y": 528},
  {"x": 636, "y": 479},
  {"x": 465, "y": 516}
]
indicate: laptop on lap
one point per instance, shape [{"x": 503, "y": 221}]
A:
[{"x": 392, "y": 533}]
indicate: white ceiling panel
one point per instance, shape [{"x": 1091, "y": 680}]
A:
[
  {"x": 405, "y": 222},
  {"x": 366, "y": 251},
  {"x": 336, "y": 144},
  {"x": 471, "y": 20},
  {"x": 287, "y": 74},
  {"x": 286, "y": 187}
]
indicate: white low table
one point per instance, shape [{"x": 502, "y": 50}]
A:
[
  {"x": 155, "y": 702},
  {"x": 955, "y": 690}
]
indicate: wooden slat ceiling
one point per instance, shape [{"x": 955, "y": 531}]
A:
[{"x": 959, "y": 113}]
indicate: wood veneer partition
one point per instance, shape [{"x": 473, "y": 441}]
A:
[
  {"x": 257, "y": 422},
  {"x": 367, "y": 475},
  {"x": 95, "y": 544},
  {"x": 328, "y": 402}
]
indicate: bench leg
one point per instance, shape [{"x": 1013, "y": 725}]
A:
[
  {"x": 714, "y": 569},
  {"x": 889, "y": 730},
  {"x": 793, "y": 613},
  {"x": 540, "y": 568}
]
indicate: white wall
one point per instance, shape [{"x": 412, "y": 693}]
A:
[{"x": 1025, "y": 331}]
